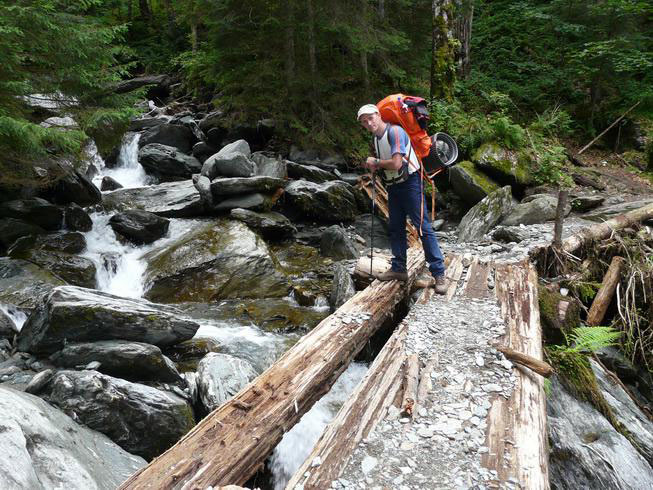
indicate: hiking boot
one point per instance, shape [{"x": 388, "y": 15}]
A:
[
  {"x": 392, "y": 276},
  {"x": 440, "y": 286}
]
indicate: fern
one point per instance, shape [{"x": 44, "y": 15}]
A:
[{"x": 592, "y": 339}]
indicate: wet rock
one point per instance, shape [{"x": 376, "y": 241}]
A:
[
  {"x": 363, "y": 226},
  {"x": 584, "y": 203},
  {"x": 470, "y": 183},
  {"x": 270, "y": 167},
  {"x": 140, "y": 419},
  {"x": 342, "y": 288},
  {"x": 217, "y": 259},
  {"x": 7, "y": 326},
  {"x": 203, "y": 186},
  {"x": 76, "y": 219},
  {"x": 109, "y": 184},
  {"x": 174, "y": 135},
  {"x": 35, "y": 211},
  {"x": 203, "y": 150},
  {"x": 254, "y": 202},
  {"x": 72, "y": 268},
  {"x": 12, "y": 229},
  {"x": 329, "y": 202},
  {"x": 222, "y": 187},
  {"x": 147, "y": 122},
  {"x": 39, "y": 381},
  {"x": 231, "y": 161},
  {"x": 336, "y": 244},
  {"x": 73, "y": 314},
  {"x": 24, "y": 284},
  {"x": 170, "y": 199},
  {"x": 189, "y": 353},
  {"x": 41, "y": 447},
  {"x": 67, "y": 242},
  {"x": 139, "y": 227},
  {"x": 503, "y": 165},
  {"x": 308, "y": 172},
  {"x": 577, "y": 433},
  {"x": 167, "y": 163},
  {"x": 538, "y": 208},
  {"x": 134, "y": 361},
  {"x": 485, "y": 215},
  {"x": 220, "y": 377},
  {"x": 73, "y": 187},
  {"x": 271, "y": 225}
]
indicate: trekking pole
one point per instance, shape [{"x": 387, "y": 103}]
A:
[{"x": 372, "y": 221}]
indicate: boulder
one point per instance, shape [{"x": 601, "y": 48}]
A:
[
  {"x": 24, "y": 284},
  {"x": 253, "y": 202},
  {"x": 216, "y": 136},
  {"x": 364, "y": 228},
  {"x": 64, "y": 123},
  {"x": 271, "y": 225},
  {"x": 174, "y": 135},
  {"x": 231, "y": 186},
  {"x": 538, "y": 208},
  {"x": 72, "y": 268},
  {"x": 160, "y": 84},
  {"x": 214, "y": 260},
  {"x": 220, "y": 377},
  {"x": 147, "y": 122},
  {"x": 603, "y": 213},
  {"x": 170, "y": 199},
  {"x": 270, "y": 167},
  {"x": 35, "y": 211},
  {"x": 76, "y": 219},
  {"x": 73, "y": 314},
  {"x": 138, "y": 226},
  {"x": 329, "y": 202},
  {"x": 187, "y": 120},
  {"x": 203, "y": 150},
  {"x": 203, "y": 186},
  {"x": 308, "y": 172},
  {"x": 587, "y": 202},
  {"x": 167, "y": 163},
  {"x": 485, "y": 215},
  {"x": 72, "y": 187},
  {"x": 503, "y": 165},
  {"x": 140, "y": 419},
  {"x": 470, "y": 183},
  {"x": 7, "y": 326},
  {"x": 12, "y": 229},
  {"x": 336, "y": 244},
  {"x": 109, "y": 184},
  {"x": 134, "y": 361},
  {"x": 187, "y": 354},
  {"x": 214, "y": 119},
  {"x": 342, "y": 288},
  {"x": 41, "y": 447},
  {"x": 70, "y": 242},
  {"x": 507, "y": 235},
  {"x": 231, "y": 161}
]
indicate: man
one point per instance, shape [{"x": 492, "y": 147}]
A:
[{"x": 399, "y": 168}]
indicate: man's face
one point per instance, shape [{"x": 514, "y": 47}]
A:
[{"x": 371, "y": 122}]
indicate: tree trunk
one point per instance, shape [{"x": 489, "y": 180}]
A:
[
  {"x": 231, "y": 444},
  {"x": 606, "y": 292},
  {"x": 311, "y": 49},
  {"x": 365, "y": 72},
  {"x": 289, "y": 45},
  {"x": 381, "y": 9},
  {"x": 144, "y": 8},
  {"x": 193, "y": 34},
  {"x": 463, "y": 33},
  {"x": 560, "y": 217},
  {"x": 442, "y": 50}
]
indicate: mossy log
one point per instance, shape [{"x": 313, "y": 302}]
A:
[{"x": 231, "y": 444}]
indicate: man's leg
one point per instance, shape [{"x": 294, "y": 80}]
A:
[{"x": 397, "y": 229}]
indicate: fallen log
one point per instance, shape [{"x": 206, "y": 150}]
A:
[
  {"x": 540, "y": 367},
  {"x": 230, "y": 444},
  {"x": 606, "y": 292},
  {"x": 411, "y": 382},
  {"x": 355, "y": 420},
  {"x": 516, "y": 433}
]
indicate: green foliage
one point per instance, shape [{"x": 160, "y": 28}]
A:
[{"x": 592, "y": 339}]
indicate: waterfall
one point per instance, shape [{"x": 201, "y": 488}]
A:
[
  {"x": 128, "y": 172},
  {"x": 16, "y": 315}
]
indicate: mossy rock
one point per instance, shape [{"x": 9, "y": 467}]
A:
[
  {"x": 470, "y": 183},
  {"x": 554, "y": 329},
  {"x": 504, "y": 165}
]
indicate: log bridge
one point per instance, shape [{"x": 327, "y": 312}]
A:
[{"x": 233, "y": 442}]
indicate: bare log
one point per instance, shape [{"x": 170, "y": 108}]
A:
[
  {"x": 560, "y": 217},
  {"x": 228, "y": 446},
  {"x": 425, "y": 384},
  {"x": 380, "y": 263},
  {"x": 357, "y": 417},
  {"x": 608, "y": 128},
  {"x": 516, "y": 434},
  {"x": 540, "y": 367},
  {"x": 606, "y": 292},
  {"x": 411, "y": 382}
]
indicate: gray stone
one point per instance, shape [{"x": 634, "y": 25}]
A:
[
  {"x": 254, "y": 202},
  {"x": 503, "y": 165},
  {"x": 109, "y": 184},
  {"x": 222, "y": 187},
  {"x": 66, "y": 122},
  {"x": 538, "y": 208},
  {"x": 72, "y": 187},
  {"x": 581, "y": 204},
  {"x": 147, "y": 122},
  {"x": 39, "y": 381},
  {"x": 470, "y": 183},
  {"x": 74, "y": 269},
  {"x": 308, "y": 172},
  {"x": 76, "y": 219},
  {"x": 12, "y": 229},
  {"x": 138, "y": 226},
  {"x": 220, "y": 377},
  {"x": 231, "y": 161},
  {"x": 329, "y": 202},
  {"x": 336, "y": 244},
  {"x": 42, "y": 448},
  {"x": 203, "y": 150},
  {"x": 73, "y": 314},
  {"x": 203, "y": 186},
  {"x": 35, "y": 211},
  {"x": 167, "y": 163},
  {"x": 485, "y": 215},
  {"x": 363, "y": 226},
  {"x": 140, "y": 419},
  {"x": 170, "y": 199},
  {"x": 24, "y": 284},
  {"x": 7, "y": 326},
  {"x": 271, "y": 225},
  {"x": 506, "y": 235},
  {"x": 606, "y": 212},
  {"x": 270, "y": 167},
  {"x": 178, "y": 136}
]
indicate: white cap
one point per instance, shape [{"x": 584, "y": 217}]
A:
[{"x": 367, "y": 109}]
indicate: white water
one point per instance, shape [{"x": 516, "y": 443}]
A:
[
  {"x": 297, "y": 444},
  {"x": 128, "y": 172},
  {"x": 17, "y": 316}
]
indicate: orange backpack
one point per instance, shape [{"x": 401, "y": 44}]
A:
[{"x": 411, "y": 114}]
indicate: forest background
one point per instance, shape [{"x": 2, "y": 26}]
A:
[{"x": 537, "y": 77}]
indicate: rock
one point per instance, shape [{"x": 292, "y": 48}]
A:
[
  {"x": 139, "y": 227},
  {"x": 336, "y": 244},
  {"x": 35, "y": 211},
  {"x": 577, "y": 433},
  {"x": 76, "y": 219},
  {"x": 7, "y": 326},
  {"x": 506, "y": 235},
  {"x": 363, "y": 226},
  {"x": 109, "y": 184},
  {"x": 189, "y": 353},
  {"x": 71, "y": 242},
  {"x": 231, "y": 161},
  {"x": 66, "y": 122},
  {"x": 220, "y": 377},
  {"x": 538, "y": 208},
  {"x": 167, "y": 163},
  {"x": 603, "y": 213},
  {"x": 187, "y": 120},
  {"x": 485, "y": 215},
  {"x": 253, "y": 202},
  {"x": 270, "y": 167},
  {"x": 271, "y": 225},
  {"x": 368, "y": 464},
  {"x": 174, "y": 135},
  {"x": 134, "y": 361},
  {"x": 147, "y": 122},
  {"x": 161, "y": 84},
  {"x": 503, "y": 165},
  {"x": 39, "y": 381},
  {"x": 73, "y": 314},
  {"x": 342, "y": 288},
  {"x": 140, "y": 419},
  {"x": 215, "y": 260},
  {"x": 203, "y": 186},
  {"x": 76, "y": 270},
  {"x": 41, "y": 447},
  {"x": 203, "y": 150},
  {"x": 72, "y": 187},
  {"x": 170, "y": 199},
  {"x": 308, "y": 172},
  {"x": 470, "y": 183},
  {"x": 350, "y": 178},
  {"x": 212, "y": 120},
  {"x": 581, "y": 204},
  {"x": 329, "y": 202},
  {"x": 12, "y": 229},
  {"x": 216, "y": 136},
  {"x": 222, "y": 187},
  {"x": 24, "y": 284},
  {"x": 587, "y": 181}
]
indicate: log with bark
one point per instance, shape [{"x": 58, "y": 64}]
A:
[
  {"x": 230, "y": 444},
  {"x": 606, "y": 292},
  {"x": 411, "y": 382},
  {"x": 536, "y": 365}
]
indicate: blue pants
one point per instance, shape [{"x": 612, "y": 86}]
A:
[{"x": 405, "y": 199}]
